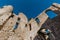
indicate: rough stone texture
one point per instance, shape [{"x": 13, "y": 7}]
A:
[
  {"x": 28, "y": 30},
  {"x": 54, "y": 26}
]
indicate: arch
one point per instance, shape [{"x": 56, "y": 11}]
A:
[{"x": 51, "y": 14}]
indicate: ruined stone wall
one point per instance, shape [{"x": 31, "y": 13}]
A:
[{"x": 17, "y": 27}]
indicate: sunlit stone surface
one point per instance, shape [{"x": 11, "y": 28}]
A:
[{"x": 17, "y": 27}]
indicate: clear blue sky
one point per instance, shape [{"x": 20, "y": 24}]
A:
[{"x": 31, "y": 8}]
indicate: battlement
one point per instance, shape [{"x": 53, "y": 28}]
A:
[{"x": 17, "y": 27}]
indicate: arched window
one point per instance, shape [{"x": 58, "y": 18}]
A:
[
  {"x": 37, "y": 20},
  {"x": 51, "y": 14}
]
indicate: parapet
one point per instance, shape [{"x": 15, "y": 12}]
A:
[{"x": 17, "y": 27}]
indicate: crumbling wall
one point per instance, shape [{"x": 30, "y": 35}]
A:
[{"x": 17, "y": 27}]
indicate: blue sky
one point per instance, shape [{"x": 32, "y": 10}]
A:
[{"x": 31, "y": 8}]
